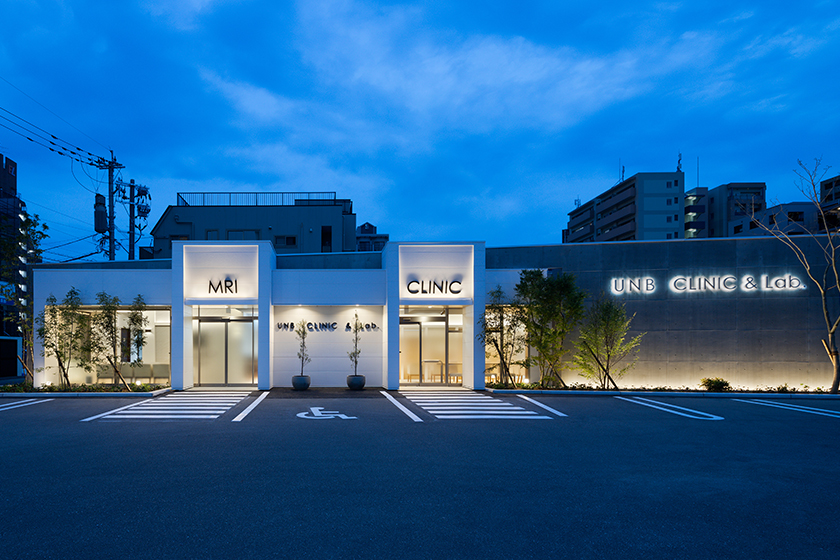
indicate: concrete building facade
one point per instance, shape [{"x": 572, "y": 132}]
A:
[
  {"x": 312, "y": 222},
  {"x": 647, "y": 206},
  {"x": 223, "y": 313}
]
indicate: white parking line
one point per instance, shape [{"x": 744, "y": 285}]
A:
[
  {"x": 541, "y": 405},
  {"x": 251, "y": 407},
  {"x": 795, "y": 407},
  {"x": 465, "y": 404},
  {"x": 113, "y": 411},
  {"x": 401, "y": 407},
  {"x": 665, "y": 407},
  {"x": 25, "y": 403}
]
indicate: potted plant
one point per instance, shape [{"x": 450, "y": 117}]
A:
[
  {"x": 301, "y": 382},
  {"x": 355, "y": 381}
]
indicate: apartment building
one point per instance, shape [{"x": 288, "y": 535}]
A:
[{"x": 647, "y": 206}]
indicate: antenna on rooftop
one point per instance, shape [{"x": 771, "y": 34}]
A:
[
  {"x": 679, "y": 162},
  {"x": 577, "y": 202}
]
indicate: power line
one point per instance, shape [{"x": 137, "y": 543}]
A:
[
  {"x": 28, "y": 202},
  {"x": 70, "y": 242},
  {"x": 82, "y": 257},
  {"x": 51, "y": 112},
  {"x": 53, "y": 136},
  {"x": 77, "y": 179},
  {"x": 60, "y": 151}
]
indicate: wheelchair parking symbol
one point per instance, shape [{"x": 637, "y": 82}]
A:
[{"x": 318, "y": 413}]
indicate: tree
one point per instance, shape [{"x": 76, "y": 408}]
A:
[
  {"x": 137, "y": 322},
  {"x": 21, "y": 246},
  {"x": 823, "y": 272},
  {"x": 552, "y": 309},
  {"x": 105, "y": 345},
  {"x": 303, "y": 354},
  {"x": 62, "y": 328},
  {"x": 500, "y": 327},
  {"x": 602, "y": 343},
  {"x": 356, "y": 328}
]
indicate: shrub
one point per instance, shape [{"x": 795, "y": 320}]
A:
[{"x": 715, "y": 384}]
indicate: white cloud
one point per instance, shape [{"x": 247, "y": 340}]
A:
[
  {"x": 297, "y": 171},
  {"x": 306, "y": 122},
  {"x": 181, "y": 14},
  {"x": 255, "y": 104},
  {"x": 481, "y": 82}
]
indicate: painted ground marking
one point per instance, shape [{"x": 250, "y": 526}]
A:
[{"x": 687, "y": 412}]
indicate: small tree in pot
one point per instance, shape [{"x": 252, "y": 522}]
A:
[
  {"x": 301, "y": 382},
  {"x": 356, "y": 381}
]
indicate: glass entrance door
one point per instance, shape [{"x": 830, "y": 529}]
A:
[
  {"x": 227, "y": 347},
  {"x": 431, "y": 345}
]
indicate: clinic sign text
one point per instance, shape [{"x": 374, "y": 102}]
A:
[{"x": 747, "y": 283}]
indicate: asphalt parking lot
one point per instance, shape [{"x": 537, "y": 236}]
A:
[{"x": 330, "y": 476}]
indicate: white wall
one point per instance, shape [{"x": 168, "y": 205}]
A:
[
  {"x": 328, "y": 348},
  {"x": 328, "y": 287},
  {"x": 154, "y": 285}
]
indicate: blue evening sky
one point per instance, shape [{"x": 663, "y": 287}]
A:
[{"x": 440, "y": 120}]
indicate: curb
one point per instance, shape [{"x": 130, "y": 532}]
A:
[
  {"x": 704, "y": 394},
  {"x": 34, "y": 394}
]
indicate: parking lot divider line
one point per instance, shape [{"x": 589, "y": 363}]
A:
[
  {"x": 541, "y": 405},
  {"x": 251, "y": 407},
  {"x": 489, "y": 416},
  {"x": 113, "y": 411},
  {"x": 700, "y": 415},
  {"x": 27, "y": 403},
  {"x": 794, "y": 407},
  {"x": 401, "y": 407}
]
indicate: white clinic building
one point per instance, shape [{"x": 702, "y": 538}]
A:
[{"x": 222, "y": 313}]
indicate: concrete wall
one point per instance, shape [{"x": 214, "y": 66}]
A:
[
  {"x": 751, "y": 338},
  {"x": 302, "y": 222}
]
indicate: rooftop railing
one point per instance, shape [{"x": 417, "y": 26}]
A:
[{"x": 258, "y": 199}]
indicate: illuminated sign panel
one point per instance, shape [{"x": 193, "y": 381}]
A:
[
  {"x": 223, "y": 272},
  {"x": 719, "y": 283},
  {"x": 436, "y": 272}
]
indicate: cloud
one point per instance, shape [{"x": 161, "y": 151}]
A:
[
  {"x": 297, "y": 171},
  {"x": 181, "y": 14},
  {"x": 255, "y": 104},
  {"x": 307, "y": 122},
  {"x": 479, "y": 83}
]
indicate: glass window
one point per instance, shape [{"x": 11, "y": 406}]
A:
[{"x": 326, "y": 239}]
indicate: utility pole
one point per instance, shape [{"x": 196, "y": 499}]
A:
[
  {"x": 138, "y": 208},
  {"x": 110, "y": 165},
  {"x": 131, "y": 221}
]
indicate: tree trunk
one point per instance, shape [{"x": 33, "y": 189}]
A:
[
  {"x": 29, "y": 377},
  {"x": 118, "y": 374},
  {"x": 831, "y": 350},
  {"x": 64, "y": 379}
]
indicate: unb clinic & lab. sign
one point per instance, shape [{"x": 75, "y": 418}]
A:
[{"x": 746, "y": 283}]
